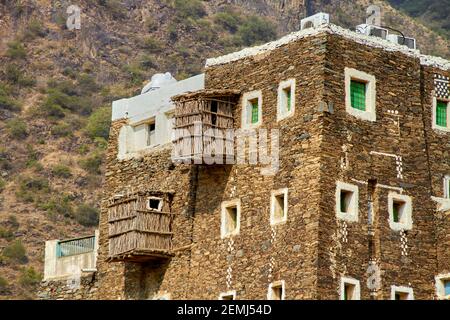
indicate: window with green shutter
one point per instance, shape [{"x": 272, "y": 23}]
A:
[
  {"x": 287, "y": 91},
  {"x": 441, "y": 113},
  {"x": 358, "y": 95},
  {"x": 255, "y": 113}
]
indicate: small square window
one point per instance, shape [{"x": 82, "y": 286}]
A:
[
  {"x": 401, "y": 293},
  {"x": 252, "y": 109},
  {"x": 443, "y": 286},
  {"x": 276, "y": 291},
  {"x": 286, "y": 99},
  {"x": 230, "y": 223},
  {"x": 230, "y": 295},
  {"x": 154, "y": 204},
  {"x": 279, "y": 206},
  {"x": 347, "y": 201},
  {"x": 400, "y": 211},
  {"x": 360, "y": 94},
  {"x": 350, "y": 289}
]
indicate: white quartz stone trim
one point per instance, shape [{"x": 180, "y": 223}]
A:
[{"x": 331, "y": 29}]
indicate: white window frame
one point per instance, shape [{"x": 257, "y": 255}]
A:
[
  {"x": 353, "y": 215},
  {"x": 228, "y": 293},
  {"x": 440, "y": 290},
  {"x": 352, "y": 281},
  {"x": 282, "y": 112},
  {"x": 406, "y": 215},
  {"x": 245, "y": 123},
  {"x": 446, "y": 182},
  {"x": 224, "y": 233},
  {"x": 402, "y": 289},
  {"x": 370, "y": 113},
  {"x": 279, "y": 283},
  {"x": 160, "y": 205},
  {"x": 433, "y": 115},
  {"x": 274, "y": 220}
]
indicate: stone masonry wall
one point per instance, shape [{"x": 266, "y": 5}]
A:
[
  {"x": 262, "y": 253},
  {"x": 319, "y": 145},
  {"x": 405, "y": 258}
]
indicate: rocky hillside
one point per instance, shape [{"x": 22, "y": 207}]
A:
[{"x": 56, "y": 87}]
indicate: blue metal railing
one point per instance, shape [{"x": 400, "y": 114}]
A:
[{"x": 76, "y": 246}]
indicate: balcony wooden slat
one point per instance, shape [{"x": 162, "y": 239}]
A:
[{"x": 140, "y": 230}]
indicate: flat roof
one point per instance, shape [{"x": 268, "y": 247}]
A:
[
  {"x": 371, "y": 41},
  {"x": 154, "y": 102}
]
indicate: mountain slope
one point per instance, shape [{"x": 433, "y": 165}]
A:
[{"x": 56, "y": 87}]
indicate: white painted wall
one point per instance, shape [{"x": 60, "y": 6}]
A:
[
  {"x": 152, "y": 106},
  {"x": 65, "y": 267}
]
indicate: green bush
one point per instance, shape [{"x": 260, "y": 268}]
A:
[
  {"x": 69, "y": 72},
  {"x": 189, "y": 8},
  {"x": 86, "y": 215},
  {"x": 101, "y": 143},
  {"x": 98, "y": 123},
  {"x": 61, "y": 171},
  {"x": 29, "y": 277},
  {"x": 30, "y": 188},
  {"x": 32, "y": 156},
  {"x": 134, "y": 73},
  {"x": 12, "y": 220},
  {"x": 206, "y": 31},
  {"x": 147, "y": 62},
  {"x": 57, "y": 205},
  {"x": 13, "y": 73},
  {"x": 16, "y": 76},
  {"x": 16, "y": 50},
  {"x": 6, "y": 102},
  {"x": 61, "y": 130},
  {"x": 34, "y": 29},
  {"x": 51, "y": 110},
  {"x": 83, "y": 149},
  {"x": 6, "y": 233},
  {"x": 92, "y": 163},
  {"x": 57, "y": 101},
  {"x": 17, "y": 128},
  {"x": 256, "y": 30},
  {"x": 228, "y": 20},
  {"x": 86, "y": 84},
  {"x": 152, "y": 45},
  {"x": 15, "y": 252}
]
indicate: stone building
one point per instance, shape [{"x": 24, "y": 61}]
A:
[{"x": 358, "y": 206}]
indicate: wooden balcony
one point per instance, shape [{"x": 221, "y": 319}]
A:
[
  {"x": 140, "y": 231},
  {"x": 201, "y": 122}
]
